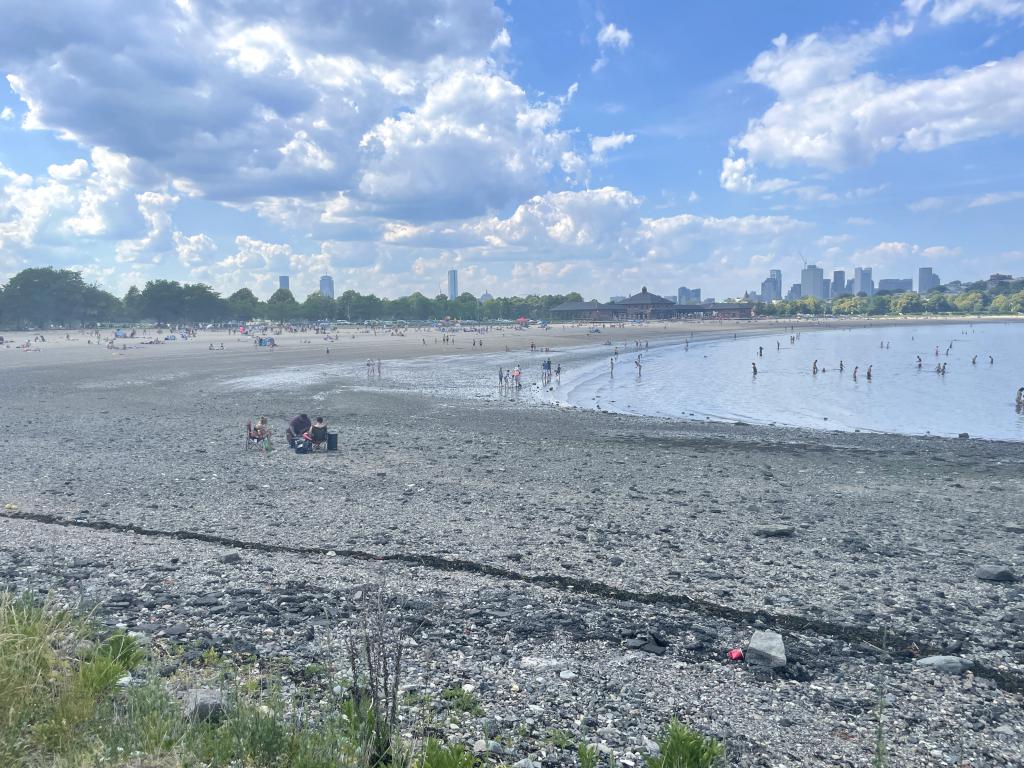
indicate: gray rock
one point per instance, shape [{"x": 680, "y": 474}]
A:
[
  {"x": 567, "y": 674},
  {"x": 949, "y": 665},
  {"x": 230, "y": 557},
  {"x": 176, "y": 629},
  {"x": 481, "y": 746},
  {"x": 204, "y": 704},
  {"x": 995, "y": 573},
  {"x": 773, "y": 531},
  {"x": 766, "y": 649}
]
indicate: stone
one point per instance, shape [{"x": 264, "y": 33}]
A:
[
  {"x": 566, "y": 674},
  {"x": 774, "y": 531},
  {"x": 481, "y": 746},
  {"x": 995, "y": 573},
  {"x": 176, "y": 629},
  {"x": 204, "y": 704},
  {"x": 230, "y": 557},
  {"x": 653, "y": 647},
  {"x": 766, "y": 649},
  {"x": 949, "y": 665},
  {"x": 964, "y": 435}
]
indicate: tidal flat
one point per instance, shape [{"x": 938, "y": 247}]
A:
[{"x": 584, "y": 573}]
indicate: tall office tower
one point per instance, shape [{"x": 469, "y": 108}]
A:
[
  {"x": 327, "y": 286},
  {"x": 862, "y": 282},
  {"x": 811, "y": 282},
  {"x": 926, "y": 280},
  {"x": 838, "y": 283},
  {"x": 453, "y": 284}
]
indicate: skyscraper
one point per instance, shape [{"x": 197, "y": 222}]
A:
[
  {"x": 926, "y": 280},
  {"x": 688, "y": 296},
  {"x": 453, "y": 284},
  {"x": 862, "y": 282},
  {"x": 771, "y": 288},
  {"x": 838, "y": 283},
  {"x": 811, "y": 282},
  {"x": 327, "y": 286},
  {"x": 282, "y": 283}
]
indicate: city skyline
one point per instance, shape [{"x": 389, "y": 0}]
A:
[{"x": 542, "y": 149}]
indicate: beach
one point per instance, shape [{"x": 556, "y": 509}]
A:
[{"x": 584, "y": 572}]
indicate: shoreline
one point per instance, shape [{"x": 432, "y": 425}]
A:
[{"x": 482, "y": 516}]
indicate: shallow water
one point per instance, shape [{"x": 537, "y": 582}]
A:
[{"x": 715, "y": 380}]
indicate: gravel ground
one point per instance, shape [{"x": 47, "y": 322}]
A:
[{"x": 541, "y": 546}]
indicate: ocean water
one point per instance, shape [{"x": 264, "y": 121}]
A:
[{"x": 714, "y": 380}]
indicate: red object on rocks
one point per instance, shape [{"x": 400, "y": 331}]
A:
[{"x": 736, "y": 654}]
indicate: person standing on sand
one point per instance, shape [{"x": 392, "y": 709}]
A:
[
  {"x": 855, "y": 369},
  {"x": 611, "y": 362},
  {"x": 814, "y": 368},
  {"x": 754, "y": 366},
  {"x": 869, "y": 373},
  {"x": 760, "y": 351},
  {"x": 1020, "y": 397},
  {"x": 639, "y": 368}
]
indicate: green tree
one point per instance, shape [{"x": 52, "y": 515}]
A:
[
  {"x": 318, "y": 307},
  {"x": 162, "y": 301},
  {"x": 200, "y": 303},
  {"x": 132, "y": 304},
  {"x": 243, "y": 305},
  {"x": 282, "y": 306},
  {"x": 43, "y": 296},
  {"x": 906, "y": 304}
]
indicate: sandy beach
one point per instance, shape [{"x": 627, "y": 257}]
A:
[{"x": 586, "y": 573}]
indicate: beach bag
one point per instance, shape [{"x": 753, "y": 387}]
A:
[{"x": 303, "y": 446}]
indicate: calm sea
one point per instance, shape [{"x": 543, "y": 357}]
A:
[{"x": 714, "y": 380}]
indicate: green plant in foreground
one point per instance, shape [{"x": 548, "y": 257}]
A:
[
  {"x": 683, "y": 747},
  {"x": 587, "y": 756},
  {"x": 437, "y": 755},
  {"x": 462, "y": 701}
]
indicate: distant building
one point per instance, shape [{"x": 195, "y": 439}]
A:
[
  {"x": 794, "y": 292},
  {"x": 771, "y": 288},
  {"x": 896, "y": 285},
  {"x": 862, "y": 282},
  {"x": 486, "y": 296},
  {"x": 826, "y": 288},
  {"x": 927, "y": 280},
  {"x": 812, "y": 282},
  {"x": 688, "y": 296},
  {"x": 453, "y": 284},
  {"x": 997, "y": 279},
  {"x": 648, "y": 306},
  {"x": 282, "y": 283},
  {"x": 327, "y": 286},
  {"x": 838, "y": 283}
]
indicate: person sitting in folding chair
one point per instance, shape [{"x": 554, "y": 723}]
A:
[
  {"x": 318, "y": 433},
  {"x": 257, "y": 435},
  {"x": 296, "y": 428}
]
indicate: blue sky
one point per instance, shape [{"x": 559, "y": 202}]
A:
[{"x": 536, "y": 147}]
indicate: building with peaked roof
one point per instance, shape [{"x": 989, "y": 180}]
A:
[{"x": 648, "y": 306}]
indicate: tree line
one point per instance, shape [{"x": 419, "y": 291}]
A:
[
  {"x": 41, "y": 297},
  {"x": 975, "y": 299}
]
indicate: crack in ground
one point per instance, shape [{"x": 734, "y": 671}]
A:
[{"x": 901, "y": 646}]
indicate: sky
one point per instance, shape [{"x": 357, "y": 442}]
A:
[{"x": 537, "y": 147}]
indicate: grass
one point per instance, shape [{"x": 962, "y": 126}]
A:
[
  {"x": 68, "y": 699},
  {"x": 683, "y": 747},
  {"x": 462, "y": 701}
]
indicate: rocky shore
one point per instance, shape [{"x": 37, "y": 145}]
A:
[{"x": 583, "y": 575}]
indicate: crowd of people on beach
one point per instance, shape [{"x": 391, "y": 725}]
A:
[{"x": 301, "y": 434}]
